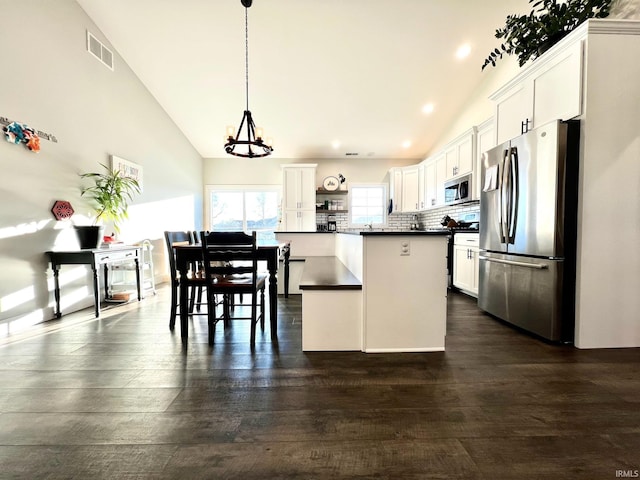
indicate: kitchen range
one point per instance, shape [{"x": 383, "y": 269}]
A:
[
  {"x": 468, "y": 223},
  {"x": 528, "y": 207}
]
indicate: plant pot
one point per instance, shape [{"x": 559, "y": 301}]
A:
[{"x": 89, "y": 236}]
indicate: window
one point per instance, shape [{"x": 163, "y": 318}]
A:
[
  {"x": 367, "y": 204},
  {"x": 244, "y": 208}
]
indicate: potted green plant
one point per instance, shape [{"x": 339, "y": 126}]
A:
[
  {"x": 110, "y": 195},
  {"x": 528, "y": 36}
]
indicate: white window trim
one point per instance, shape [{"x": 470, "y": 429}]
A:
[
  {"x": 384, "y": 208},
  {"x": 236, "y": 188}
]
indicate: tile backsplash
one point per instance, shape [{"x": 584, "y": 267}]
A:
[{"x": 403, "y": 221}]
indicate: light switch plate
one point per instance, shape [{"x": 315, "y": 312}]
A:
[{"x": 405, "y": 248}]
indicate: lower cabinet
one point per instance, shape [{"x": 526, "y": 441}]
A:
[
  {"x": 298, "y": 221},
  {"x": 465, "y": 262}
]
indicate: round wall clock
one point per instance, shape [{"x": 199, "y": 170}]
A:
[{"x": 330, "y": 183}]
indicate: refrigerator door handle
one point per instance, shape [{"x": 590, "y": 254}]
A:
[
  {"x": 504, "y": 192},
  {"x": 513, "y": 194},
  {"x": 536, "y": 266}
]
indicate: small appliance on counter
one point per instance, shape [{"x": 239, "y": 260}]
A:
[{"x": 331, "y": 223}]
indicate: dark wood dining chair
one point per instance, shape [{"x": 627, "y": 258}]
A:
[
  {"x": 171, "y": 239},
  {"x": 231, "y": 267}
]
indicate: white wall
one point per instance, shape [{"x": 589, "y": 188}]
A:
[
  {"x": 265, "y": 171},
  {"x": 50, "y": 82}
]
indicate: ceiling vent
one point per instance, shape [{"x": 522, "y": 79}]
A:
[
  {"x": 96, "y": 48},
  {"x": 351, "y": 154}
]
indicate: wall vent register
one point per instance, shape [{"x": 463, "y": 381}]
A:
[{"x": 96, "y": 48}]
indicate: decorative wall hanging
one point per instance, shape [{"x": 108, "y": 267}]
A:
[
  {"x": 128, "y": 169},
  {"x": 21, "y": 133},
  {"x": 62, "y": 210},
  {"x": 10, "y": 127}
]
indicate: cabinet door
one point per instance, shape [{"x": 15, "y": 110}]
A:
[
  {"x": 307, "y": 220},
  {"x": 451, "y": 161},
  {"x": 422, "y": 193},
  {"x": 557, "y": 89},
  {"x": 289, "y": 221},
  {"x": 410, "y": 189},
  {"x": 441, "y": 177},
  {"x": 430, "y": 184},
  {"x": 465, "y": 156},
  {"x": 462, "y": 267},
  {"x": 475, "y": 260},
  {"x": 307, "y": 194},
  {"x": 466, "y": 268},
  {"x": 298, "y": 221},
  {"x": 514, "y": 107},
  {"x": 291, "y": 189},
  {"x": 395, "y": 189},
  {"x": 486, "y": 140},
  {"x": 299, "y": 188}
]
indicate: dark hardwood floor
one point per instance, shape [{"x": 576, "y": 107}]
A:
[{"x": 119, "y": 398}]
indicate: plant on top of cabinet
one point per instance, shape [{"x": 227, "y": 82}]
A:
[{"x": 528, "y": 36}]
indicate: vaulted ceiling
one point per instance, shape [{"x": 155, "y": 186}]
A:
[{"x": 357, "y": 72}]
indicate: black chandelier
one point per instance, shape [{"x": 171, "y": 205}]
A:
[{"x": 254, "y": 146}]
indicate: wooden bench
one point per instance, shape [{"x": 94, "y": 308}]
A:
[{"x": 331, "y": 306}]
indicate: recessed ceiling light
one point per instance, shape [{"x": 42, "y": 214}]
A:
[
  {"x": 335, "y": 144},
  {"x": 428, "y": 108},
  {"x": 406, "y": 144},
  {"x": 463, "y": 51}
]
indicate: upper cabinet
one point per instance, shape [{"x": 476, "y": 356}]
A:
[
  {"x": 410, "y": 189},
  {"x": 435, "y": 172},
  {"x": 299, "y": 187},
  {"x": 298, "y": 197},
  {"x": 550, "y": 90},
  {"x": 485, "y": 140},
  {"x": 395, "y": 189},
  {"x": 460, "y": 154},
  {"x": 421, "y": 187}
]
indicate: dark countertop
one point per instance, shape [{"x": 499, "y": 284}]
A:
[
  {"x": 431, "y": 231},
  {"x": 375, "y": 232}
]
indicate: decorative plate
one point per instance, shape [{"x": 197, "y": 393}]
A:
[{"x": 331, "y": 183}]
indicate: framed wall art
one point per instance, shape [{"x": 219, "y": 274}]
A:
[{"x": 128, "y": 169}]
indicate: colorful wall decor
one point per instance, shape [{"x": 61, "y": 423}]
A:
[
  {"x": 16, "y": 132},
  {"x": 62, "y": 210},
  {"x": 21, "y": 133}
]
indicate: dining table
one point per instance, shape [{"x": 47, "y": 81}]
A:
[{"x": 188, "y": 255}]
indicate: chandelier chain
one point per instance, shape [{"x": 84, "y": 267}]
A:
[{"x": 246, "y": 52}]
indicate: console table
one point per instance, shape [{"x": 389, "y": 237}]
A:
[{"x": 95, "y": 258}]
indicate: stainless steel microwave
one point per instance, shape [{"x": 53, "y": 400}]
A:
[{"x": 458, "y": 190}]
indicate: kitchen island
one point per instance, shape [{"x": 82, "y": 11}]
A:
[{"x": 402, "y": 304}]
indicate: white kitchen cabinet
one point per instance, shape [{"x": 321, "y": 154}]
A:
[
  {"x": 410, "y": 189},
  {"x": 435, "y": 171},
  {"x": 459, "y": 154},
  {"x": 441, "y": 177},
  {"x": 298, "y": 221},
  {"x": 298, "y": 197},
  {"x": 430, "y": 183},
  {"x": 422, "y": 189},
  {"x": 465, "y": 262},
  {"x": 395, "y": 189},
  {"x": 551, "y": 90},
  {"x": 485, "y": 140}
]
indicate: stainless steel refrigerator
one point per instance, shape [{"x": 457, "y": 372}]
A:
[{"x": 528, "y": 218}]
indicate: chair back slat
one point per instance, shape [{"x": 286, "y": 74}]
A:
[{"x": 229, "y": 253}]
